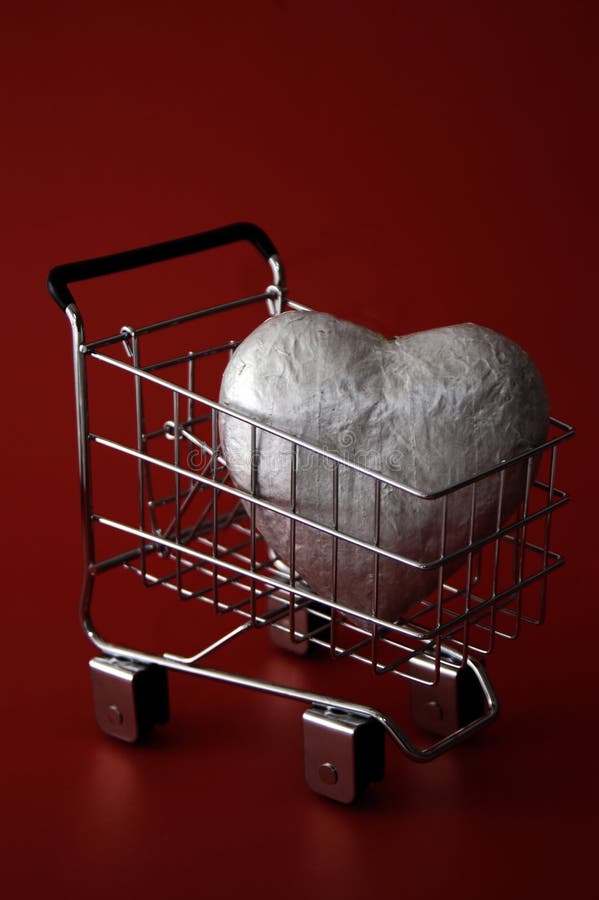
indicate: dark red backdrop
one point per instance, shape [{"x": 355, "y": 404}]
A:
[{"x": 417, "y": 164}]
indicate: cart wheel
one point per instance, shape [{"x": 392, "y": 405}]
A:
[
  {"x": 129, "y": 698},
  {"x": 455, "y": 701},
  {"x": 343, "y": 753}
]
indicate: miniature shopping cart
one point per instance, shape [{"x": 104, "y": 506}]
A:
[{"x": 182, "y": 526}]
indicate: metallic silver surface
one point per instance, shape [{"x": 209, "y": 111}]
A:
[
  {"x": 343, "y": 753},
  {"x": 129, "y": 698},
  {"x": 82, "y": 420},
  {"x": 428, "y": 410},
  {"x": 328, "y": 773},
  {"x": 452, "y": 698},
  {"x": 278, "y": 271},
  {"x": 189, "y": 530}
]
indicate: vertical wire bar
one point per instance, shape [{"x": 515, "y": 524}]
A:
[
  {"x": 213, "y": 467},
  {"x": 522, "y": 549},
  {"x": 142, "y": 467},
  {"x": 374, "y": 608},
  {"x": 84, "y": 456},
  {"x": 476, "y": 567},
  {"x": 144, "y": 476},
  {"x": 495, "y": 569},
  {"x": 292, "y": 529},
  {"x": 547, "y": 536},
  {"x": 334, "y": 561},
  {"x": 191, "y": 386},
  {"x": 552, "y": 473},
  {"x": 516, "y": 558},
  {"x": 467, "y": 597},
  {"x": 177, "y": 462},
  {"x": 83, "y": 440},
  {"x": 440, "y": 581},
  {"x": 253, "y": 488}
]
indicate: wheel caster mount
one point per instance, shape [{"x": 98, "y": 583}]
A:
[
  {"x": 129, "y": 697},
  {"x": 344, "y": 743}
]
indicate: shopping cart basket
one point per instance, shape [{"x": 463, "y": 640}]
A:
[{"x": 188, "y": 529}]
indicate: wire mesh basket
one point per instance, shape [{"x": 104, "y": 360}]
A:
[{"x": 179, "y": 523}]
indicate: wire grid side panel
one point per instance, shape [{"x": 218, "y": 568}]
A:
[
  {"x": 201, "y": 536},
  {"x": 497, "y": 584}
]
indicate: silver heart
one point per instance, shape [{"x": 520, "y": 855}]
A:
[{"x": 427, "y": 410}]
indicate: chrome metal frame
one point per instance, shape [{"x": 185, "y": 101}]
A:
[{"x": 224, "y": 555}]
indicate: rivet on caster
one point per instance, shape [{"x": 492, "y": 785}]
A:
[
  {"x": 129, "y": 698},
  {"x": 343, "y": 753}
]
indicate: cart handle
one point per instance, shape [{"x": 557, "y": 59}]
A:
[{"x": 61, "y": 276}]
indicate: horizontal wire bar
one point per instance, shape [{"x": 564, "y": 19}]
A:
[
  {"x": 419, "y": 634},
  {"x": 167, "y": 323},
  {"x": 320, "y": 700},
  {"x": 568, "y": 431},
  {"x": 318, "y": 526},
  {"x": 207, "y": 650},
  {"x": 480, "y": 611},
  {"x": 192, "y": 355},
  {"x": 236, "y": 608},
  {"x": 255, "y": 576}
]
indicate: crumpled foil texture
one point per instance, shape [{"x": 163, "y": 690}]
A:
[{"x": 427, "y": 410}]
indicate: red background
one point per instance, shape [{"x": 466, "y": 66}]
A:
[{"x": 417, "y": 165}]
